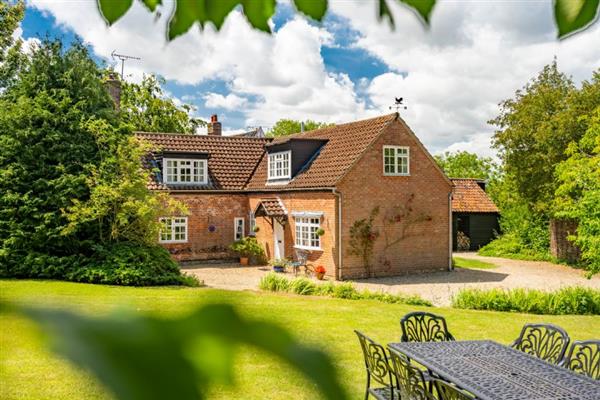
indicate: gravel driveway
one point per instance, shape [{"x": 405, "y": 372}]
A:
[{"x": 438, "y": 287}]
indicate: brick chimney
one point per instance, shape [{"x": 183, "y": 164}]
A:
[
  {"x": 214, "y": 126},
  {"x": 113, "y": 85}
]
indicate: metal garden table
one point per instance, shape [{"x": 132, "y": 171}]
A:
[{"x": 492, "y": 371}]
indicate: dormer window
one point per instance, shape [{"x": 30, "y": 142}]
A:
[
  {"x": 280, "y": 165},
  {"x": 185, "y": 171}
]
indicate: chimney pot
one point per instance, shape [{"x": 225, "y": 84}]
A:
[{"x": 214, "y": 127}]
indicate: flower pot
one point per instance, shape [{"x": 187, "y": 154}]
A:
[
  {"x": 320, "y": 275},
  {"x": 244, "y": 260},
  {"x": 278, "y": 268}
]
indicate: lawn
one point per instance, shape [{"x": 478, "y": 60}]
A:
[
  {"x": 29, "y": 371},
  {"x": 472, "y": 264}
]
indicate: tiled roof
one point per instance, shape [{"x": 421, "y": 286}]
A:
[
  {"x": 468, "y": 196},
  {"x": 345, "y": 144},
  {"x": 272, "y": 207},
  {"x": 231, "y": 159}
]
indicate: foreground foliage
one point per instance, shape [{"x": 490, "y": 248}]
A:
[
  {"x": 187, "y": 354},
  {"x": 570, "y": 15},
  {"x": 571, "y": 300},
  {"x": 274, "y": 282}
]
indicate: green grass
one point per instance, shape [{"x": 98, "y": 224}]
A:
[
  {"x": 29, "y": 371},
  {"x": 472, "y": 264}
]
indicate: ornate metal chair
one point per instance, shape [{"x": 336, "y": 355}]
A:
[
  {"x": 378, "y": 369},
  {"x": 424, "y": 327},
  {"x": 584, "y": 358},
  {"x": 546, "y": 341},
  {"x": 301, "y": 261},
  {"x": 447, "y": 391},
  {"x": 410, "y": 379}
]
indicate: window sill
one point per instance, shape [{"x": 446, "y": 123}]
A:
[
  {"x": 172, "y": 241},
  {"x": 308, "y": 248},
  {"x": 396, "y": 174}
]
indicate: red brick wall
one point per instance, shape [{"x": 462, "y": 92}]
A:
[
  {"x": 206, "y": 209},
  {"x": 296, "y": 202},
  {"x": 426, "y": 240}
]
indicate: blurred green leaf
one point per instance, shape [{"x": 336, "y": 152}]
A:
[
  {"x": 315, "y": 9},
  {"x": 573, "y": 15},
  {"x": 141, "y": 357},
  {"x": 384, "y": 12},
  {"x": 151, "y": 4},
  {"x": 258, "y": 13},
  {"x": 422, "y": 7},
  {"x": 112, "y": 10}
]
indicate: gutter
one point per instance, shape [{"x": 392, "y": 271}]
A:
[
  {"x": 450, "y": 266},
  {"x": 338, "y": 236}
]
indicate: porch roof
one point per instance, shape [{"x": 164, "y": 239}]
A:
[{"x": 270, "y": 207}]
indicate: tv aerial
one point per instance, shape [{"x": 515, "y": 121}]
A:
[
  {"x": 398, "y": 104},
  {"x": 123, "y": 58}
]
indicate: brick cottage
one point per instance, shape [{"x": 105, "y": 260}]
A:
[{"x": 294, "y": 186}]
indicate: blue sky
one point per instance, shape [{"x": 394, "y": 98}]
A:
[{"x": 347, "y": 67}]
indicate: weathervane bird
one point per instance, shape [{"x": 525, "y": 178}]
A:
[{"x": 398, "y": 104}]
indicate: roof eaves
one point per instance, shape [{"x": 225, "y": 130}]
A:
[{"x": 369, "y": 146}]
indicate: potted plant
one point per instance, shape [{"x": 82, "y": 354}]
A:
[
  {"x": 320, "y": 272},
  {"x": 279, "y": 265},
  {"x": 246, "y": 248}
]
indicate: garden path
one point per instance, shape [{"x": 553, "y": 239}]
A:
[{"x": 437, "y": 287}]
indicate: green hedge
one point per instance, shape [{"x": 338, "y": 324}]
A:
[
  {"x": 127, "y": 264},
  {"x": 274, "y": 282},
  {"x": 570, "y": 300}
]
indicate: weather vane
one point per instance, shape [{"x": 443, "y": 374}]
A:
[
  {"x": 123, "y": 57},
  {"x": 398, "y": 104}
]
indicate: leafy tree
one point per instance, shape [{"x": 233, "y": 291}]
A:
[
  {"x": 146, "y": 108},
  {"x": 571, "y": 16},
  {"x": 462, "y": 164},
  {"x": 73, "y": 198},
  {"x": 285, "y": 127},
  {"x": 578, "y": 196},
  {"x": 529, "y": 140},
  {"x": 10, "y": 50}
]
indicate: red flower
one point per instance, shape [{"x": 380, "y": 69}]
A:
[{"x": 320, "y": 269}]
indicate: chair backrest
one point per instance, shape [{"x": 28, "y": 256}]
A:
[
  {"x": 301, "y": 256},
  {"x": 376, "y": 360},
  {"x": 584, "y": 358},
  {"x": 424, "y": 327},
  {"x": 446, "y": 391},
  {"x": 546, "y": 341},
  {"x": 410, "y": 379}
]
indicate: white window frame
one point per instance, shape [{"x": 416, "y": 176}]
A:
[
  {"x": 236, "y": 222},
  {"x": 251, "y": 224},
  {"x": 396, "y": 158},
  {"x": 175, "y": 222},
  {"x": 308, "y": 226},
  {"x": 198, "y": 168},
  {"x": 279, "y": 157}
]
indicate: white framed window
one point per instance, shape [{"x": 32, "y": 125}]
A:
[
  {"x": 251, "y": 223},
  {"x": 185, "y": 171},
  {"x": 306, "y": 233},
  {"x": 280, "y": 165},
  {"x": 396, "y": 160},
  {"x": 238, "y": 228},
  {"x": 173, "y": 230}
]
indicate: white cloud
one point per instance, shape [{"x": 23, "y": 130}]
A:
[
  {"x": 229, "y": 102},
  {"x": 452, "y": 76},
  {"x": 474, "y": 55}
]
